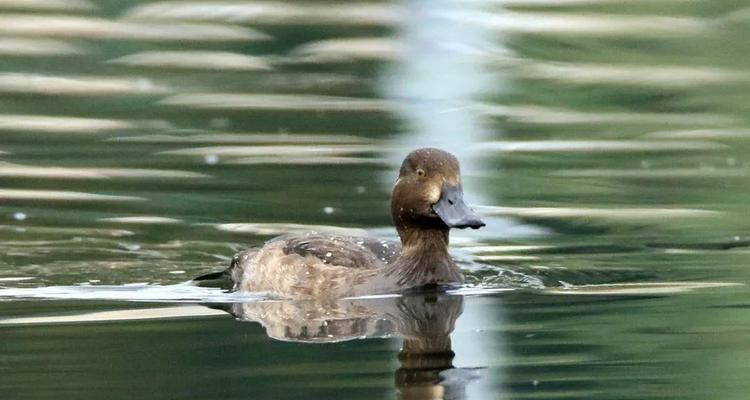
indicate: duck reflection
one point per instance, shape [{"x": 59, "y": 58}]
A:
[{"x": 424, "y": 321}]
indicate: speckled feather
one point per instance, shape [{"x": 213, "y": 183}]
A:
[
  {"x": 343, "y": 251},
  {"x": 312, "y": 265}
]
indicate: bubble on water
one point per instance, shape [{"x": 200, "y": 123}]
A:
[
  {"x": 361, "y": 189},
  {"x": 211, "y": 159},
  {"x": 535, "y": 382},
  {"x": 16, "y": 278},
  {"x": 94, "y": 280},
  {"x": 329, "y": 254},
  {"x": 328, "y": 210},
  {"x": 19, "y": 216},
  {"x": 736, "y": 238},
  {"x": 177, "y": 272}
]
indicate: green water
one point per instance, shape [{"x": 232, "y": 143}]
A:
[{"x": 606, "y": 145}]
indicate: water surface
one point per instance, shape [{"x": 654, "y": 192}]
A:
[{"x": 144, "y": 143}]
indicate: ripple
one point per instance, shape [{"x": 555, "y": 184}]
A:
[
  {"x": 119, "y": 315},
  {"x": 558, "y": 3},
  {"x": 200, "y": 60},
  {"x": 653, "y": 173},
  {"x": 307, "y": 160},
  {"x": 77, "y": 86},
  {"x": 583, "y": 24},
  {"x": 506, "y": 248},
  {"x": 21, "y": 47},
  {"x": 506, "y": 257},
  {"x": 59, "y": 195},
  {"x": 284, "y": 102},
  {"x": 17, "y": 279},
  {"x": 272, "y": 13},
  {"x": 633, "y": 75},
  {"x": 741, "y": 15},
  {"x": 41, "y": 230},
  {"x": 638, "y": 289},
  {"x": 615, "y": 214},
  {"x": 277, "y": 151},
  {"x": 131, "y": 292},
  {"x": 86, "y": 27},
  {"x": 23, "y": 171},
  {"x": 48, "y": 5},
  {"x": 180, "y": 293},
  {"x": 141, "y": 219},
  {"x": 534, "y": 114},
  {"x": 349, "y": 49},
  {"x": 598, "y": 146},
  {"x": 260, "y": 138},
  {"x": 39, "y": 123},
  {"x": 729, "y": 133}
]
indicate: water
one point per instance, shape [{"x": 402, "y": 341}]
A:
[{"x": 605, "y": 143}]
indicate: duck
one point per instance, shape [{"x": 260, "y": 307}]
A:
[{"x": 427, "y": 201}]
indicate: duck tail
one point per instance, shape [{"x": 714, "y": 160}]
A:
[
  {"x": 214, "y": 279},
  {"x": 211, "y": 276},
  {"x": 225, "y": 278}
]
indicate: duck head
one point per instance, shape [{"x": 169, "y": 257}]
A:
[{"x": 428, "y": 194}]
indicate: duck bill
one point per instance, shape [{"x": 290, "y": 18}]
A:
[{"x": 454, "y": 212}]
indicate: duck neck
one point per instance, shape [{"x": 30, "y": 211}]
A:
[
  {"x": 424, "y": 258},
  {"x": 423, "y": 241}
]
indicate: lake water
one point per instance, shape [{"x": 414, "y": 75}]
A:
[{"x": 605, "y": 143}]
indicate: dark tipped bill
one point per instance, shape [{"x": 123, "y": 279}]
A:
[{"x": 454, "y": 212}]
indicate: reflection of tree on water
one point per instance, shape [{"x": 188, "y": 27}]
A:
[{"x": 425, "y": 323}]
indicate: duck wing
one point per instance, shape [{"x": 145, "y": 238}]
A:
[{"x": 345, "y": 251}]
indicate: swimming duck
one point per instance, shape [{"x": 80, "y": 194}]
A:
[{"x": 426, "y": 202}]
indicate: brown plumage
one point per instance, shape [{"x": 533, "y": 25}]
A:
[{"x": 427, "y": 201}]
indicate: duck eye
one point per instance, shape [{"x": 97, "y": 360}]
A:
[{"x": 420, "y": 172}]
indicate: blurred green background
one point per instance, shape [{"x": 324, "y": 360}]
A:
[{"x": 606, "y": 142}]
